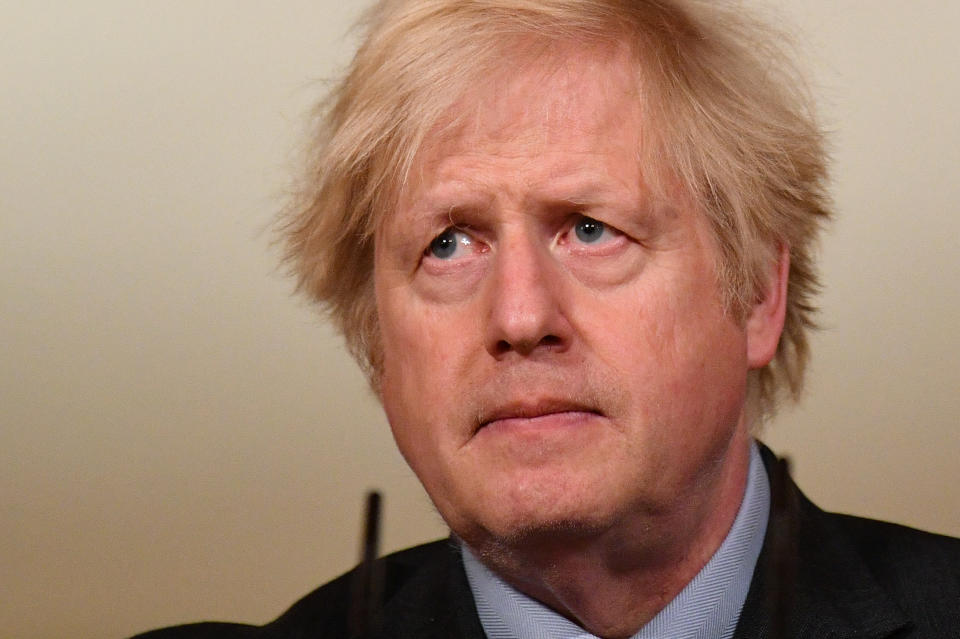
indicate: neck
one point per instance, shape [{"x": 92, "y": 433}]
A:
[{"x": 614, "y": 582}]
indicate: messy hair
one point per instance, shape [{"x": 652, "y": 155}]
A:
[{"x": 727, "y": 123}]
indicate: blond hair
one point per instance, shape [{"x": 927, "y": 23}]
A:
[{"x": 726, "y": 119}]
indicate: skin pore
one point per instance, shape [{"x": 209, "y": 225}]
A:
[{"x": 559, "y": 368}]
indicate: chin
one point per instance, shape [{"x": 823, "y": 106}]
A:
[
  {"x": 513, "y": 544},
  {"x": 563, "y": 530},
  {"x": 542, "y": 517}
]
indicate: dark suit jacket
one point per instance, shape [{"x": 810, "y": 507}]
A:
[{"x": 819, "y": 575}]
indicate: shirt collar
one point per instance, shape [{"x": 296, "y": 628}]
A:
[{"x": 709, "y": 606}]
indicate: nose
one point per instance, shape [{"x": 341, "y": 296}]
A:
[{"x": 525, "y": 300}]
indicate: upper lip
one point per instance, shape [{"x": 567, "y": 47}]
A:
[{"x": 526, "y": 409}]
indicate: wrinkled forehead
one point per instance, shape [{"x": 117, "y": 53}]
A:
[{"x": 546, "y": 98}]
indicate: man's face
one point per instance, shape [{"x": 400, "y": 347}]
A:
[{"x": 556, "y": 351}]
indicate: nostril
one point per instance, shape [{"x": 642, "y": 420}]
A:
[{"x": 550, "y": 340}]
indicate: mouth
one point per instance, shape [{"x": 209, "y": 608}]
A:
[{"x": 540, "y": 412}]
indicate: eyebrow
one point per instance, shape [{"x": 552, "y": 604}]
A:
[
  {"x": 451, "y": 195},
  {"x": 454, "y": 200},
  {"x": 553, "y": 190},
  {"x": 578, "y": 187}
]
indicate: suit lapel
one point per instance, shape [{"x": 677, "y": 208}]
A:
[
  {"x": 810, "y": 582},
  {"x": 435, "y": 604}
]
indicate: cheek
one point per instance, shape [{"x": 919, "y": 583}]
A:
[
  {"x": 411, "y": 413},
  {"x": 418, "y": 393},
  {"x": 708, "y": 374},
  {"x": 669, "y": 341},
  {"x": 420, "y": 343},
  {"x": 419, "y": 379}
]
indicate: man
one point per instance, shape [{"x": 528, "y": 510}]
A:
[{"x": 570, "y": 243}]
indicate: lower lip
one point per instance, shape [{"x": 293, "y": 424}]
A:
[{"x": 541, "y": 423}]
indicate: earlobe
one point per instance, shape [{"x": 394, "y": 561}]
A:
[{"x": 765, "y": 321}]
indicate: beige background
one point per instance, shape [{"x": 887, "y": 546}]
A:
[{"x": 182, "y": 440}]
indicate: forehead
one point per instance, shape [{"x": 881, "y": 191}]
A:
[{"x": 570, "y": 99}]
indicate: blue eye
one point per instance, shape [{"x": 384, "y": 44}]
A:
[
  {"x": 588, "y": 230},
  {"x": 444, "y": 245},
  {"x": 452, "y": 243}
]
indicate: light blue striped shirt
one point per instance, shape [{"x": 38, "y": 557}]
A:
[{"x": 707, "y": 608}]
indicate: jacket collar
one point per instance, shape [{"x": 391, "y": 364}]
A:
[
  {"x": 436, "y": 603},
  {"x": 810, "y": 581}
]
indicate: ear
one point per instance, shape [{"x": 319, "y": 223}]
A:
[{"x": 765, "y": 321}]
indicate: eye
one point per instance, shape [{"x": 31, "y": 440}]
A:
[
  {"x": 591, "y": 231},
  {"x": 448, "y": 244}
]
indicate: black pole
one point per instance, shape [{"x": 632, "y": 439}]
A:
[{"x": 368, "y": 578}]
